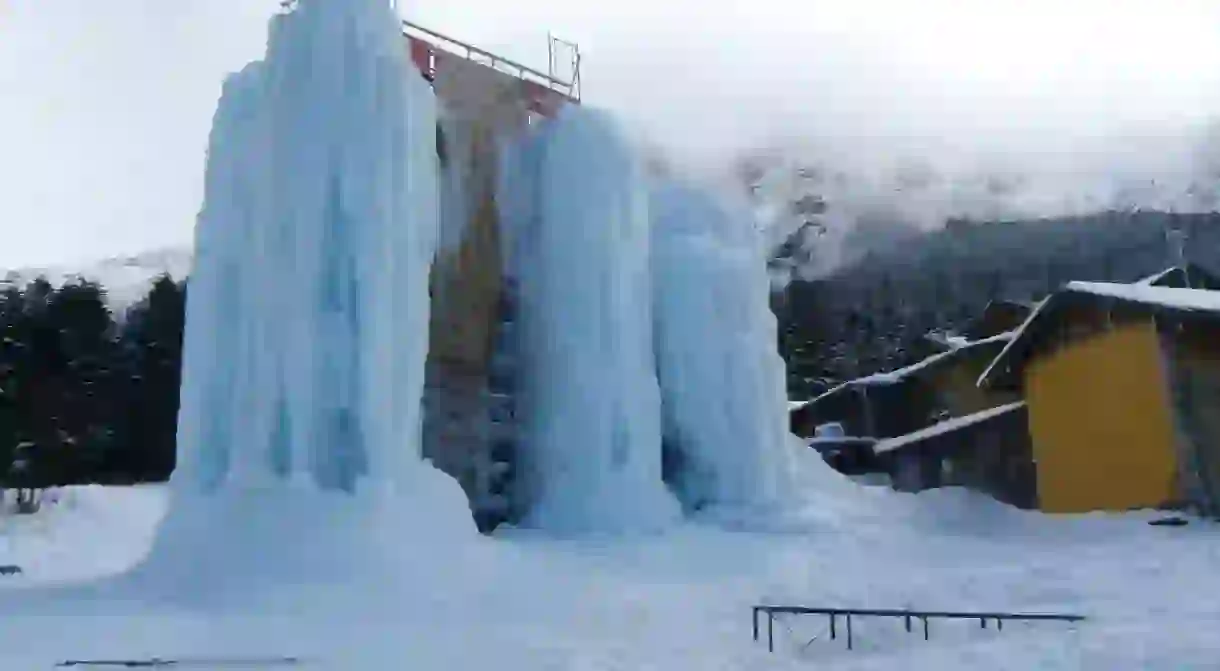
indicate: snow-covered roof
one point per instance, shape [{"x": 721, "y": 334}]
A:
[
  {"x": 948, "y": 339},
  {"x": 999, "y": 337},
  {"x": 1165, "y": 298},
  {"x": 957, "y": 340},
  {"x": 897, "y": 376},
  {"x": 1182, "y": 276},
  {"x": 1158, "y": 277},
  {"x": 835, "y": 440},
  {"x": 890, "y": 444}
]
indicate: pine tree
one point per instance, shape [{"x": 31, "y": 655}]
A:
[
  {"x": 152, "y": 346},
  {"x": 79, "y": 334},
  {"x": 10, "y": 348}
]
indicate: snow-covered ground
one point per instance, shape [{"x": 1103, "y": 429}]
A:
[
  {"x": 680, "y": 600},
  {"x": 80, "y": 533}
]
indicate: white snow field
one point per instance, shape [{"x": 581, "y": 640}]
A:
[
  {"x": 79, "y": 533},
  {"x": 675, "y": 600}
]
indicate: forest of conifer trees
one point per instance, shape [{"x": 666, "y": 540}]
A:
[{"x": 87, "y": 395}]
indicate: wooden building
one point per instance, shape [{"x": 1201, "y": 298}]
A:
[
  {"x": 874, "y": 406},
  {"x": 1122, "y": 385},
  {"x": 1000, "y": 316},
  {"x": 953, "y": 378},
  {"x": 909, "y": 399},
  {"x": 988, "y": 451}
]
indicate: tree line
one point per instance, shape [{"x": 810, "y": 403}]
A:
[{"x": 88, "y": 395}]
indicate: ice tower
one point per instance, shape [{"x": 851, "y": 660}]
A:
[
  {"x": 414, "y": 251},
  {"x": 577, "y": 200},
  {"x": 722, "y": 381},
  {"x": 307, "y": 320}
]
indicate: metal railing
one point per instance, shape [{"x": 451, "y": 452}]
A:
[
  {"x": 569, "y": 88},
  {"x": 908, "y": 615},
  {"x": 157, "y": 662}
]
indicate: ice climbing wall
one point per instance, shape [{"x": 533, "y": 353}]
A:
[
  {"x": 468, "y": 420},
  {"x": 307, "y": 318},
  {"x": 722, "y": 381},
  {"x": 577, "y": 204}
]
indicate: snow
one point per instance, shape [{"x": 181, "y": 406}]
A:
[
  {"x": 307, "y": 319},
  {"x": 946, "y": 426},
  {"x": 1177, "y": 299},
  {"x": 126, "y": 280},
  {"x": 681, "y": 600},
  {"x": 947, "y": 339},
  {"x": 115, "y": 524},
  {"x": 897, "y": 376},
  {"x": 722, "y": 381},
  {"x": 1157, "y": 277},
  {"x": 1153, "y": 296},
  {"x": 829, "y": 430},
  {"x": 591, "y": 419},
  {"x": 957, "y": 341}
]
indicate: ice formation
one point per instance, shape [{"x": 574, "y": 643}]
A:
[
  {"x": 308, "y": 321},
  {"x": 591, "y": 407},
  {"x": 721, "y": 379},
  {"x": 308, "y": 311}
]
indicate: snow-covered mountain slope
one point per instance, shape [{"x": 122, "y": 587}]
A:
[
  {"x": 126, "y": 279},
  {"x": 679, "y": 600},
  {"x": 894, "y": 190}
]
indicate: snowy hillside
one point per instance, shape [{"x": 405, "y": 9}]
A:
[
  {"x": 126, "y": 279},
  {"x": 892, "y": 189}
]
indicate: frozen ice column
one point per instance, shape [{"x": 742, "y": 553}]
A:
[
  {"x": 307, "y": 316},
  {"x": 722, "y": 381},
  {"x": 592, "y": 436}
]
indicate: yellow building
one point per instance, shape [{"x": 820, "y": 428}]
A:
[{"x": 1122, "y": 386}]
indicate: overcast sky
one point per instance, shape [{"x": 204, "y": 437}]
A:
[{"x": 105, "y": 106}]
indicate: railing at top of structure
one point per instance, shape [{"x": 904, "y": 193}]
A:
[{"x": 570, "y": 87}]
